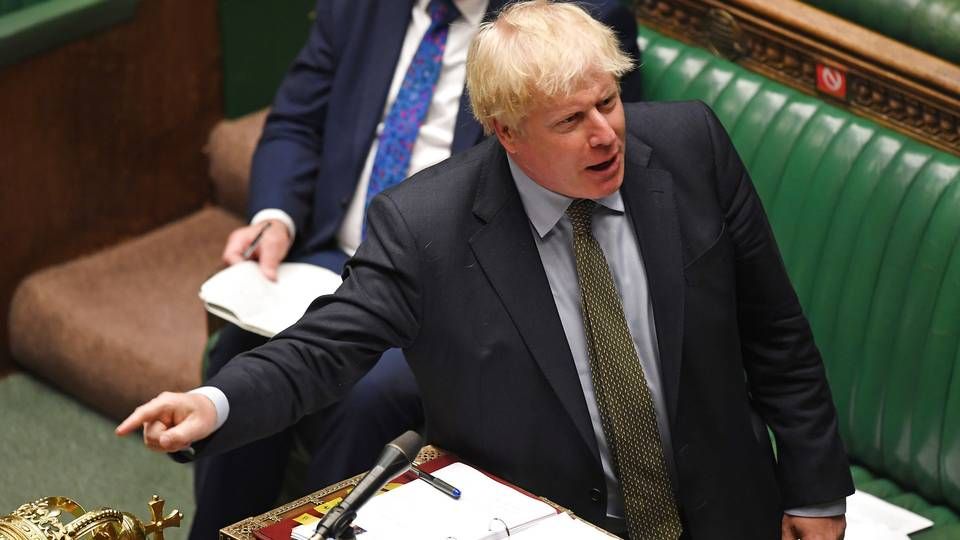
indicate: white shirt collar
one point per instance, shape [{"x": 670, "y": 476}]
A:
[
  {"x": 545, "y": 207},
  {"x": 472, "y": 11}
]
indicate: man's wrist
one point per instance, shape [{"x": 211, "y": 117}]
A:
[
  {"x": 276, "y": 214},
  {"x": 219, "y": 400},
  {"x": 829, "y": 509}
]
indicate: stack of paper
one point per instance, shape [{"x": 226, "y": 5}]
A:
[
  {"x": 563, "y": 526},
  {"x": 870, "y": 518},
  {"x": 486, "y": 510},
  {"x": 241, "y": 294}
]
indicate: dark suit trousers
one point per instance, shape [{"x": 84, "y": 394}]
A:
[{"x": 344, "y": 439}]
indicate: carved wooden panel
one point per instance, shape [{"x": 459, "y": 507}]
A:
[
  {"x": 819, "y": 54},
  {"x": 100, "y": 138}
]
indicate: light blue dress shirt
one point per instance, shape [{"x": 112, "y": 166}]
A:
[{"x": 613, "y": 230}]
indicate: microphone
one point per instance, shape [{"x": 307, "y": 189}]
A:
[{"x": 394, "y": 459}]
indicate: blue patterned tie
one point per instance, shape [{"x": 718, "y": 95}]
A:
[{"x": 400, "y": 129}]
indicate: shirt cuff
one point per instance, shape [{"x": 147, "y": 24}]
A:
[
  {"x": 830, "y": 509},
  {"x": 279, "y": 215},
  {"x": 219, "y": 400}
]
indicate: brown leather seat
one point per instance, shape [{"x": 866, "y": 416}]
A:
[{"x": 117, "y": 327}]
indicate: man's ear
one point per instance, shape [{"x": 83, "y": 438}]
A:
[{"x": 507, "y": 136}]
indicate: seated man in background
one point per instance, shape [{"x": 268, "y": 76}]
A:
[
  {"x": 592, "y": 303},
  {"x": 375, "y": 94}
]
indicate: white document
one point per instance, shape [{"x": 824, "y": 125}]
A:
[
  {"x": 241, "y": 294},
  {"x": 872, "y": 518},
  {"x": 561, "y": 526},
  {"x": 416, "y": 510},
  {"x": 488, "y": 508}
]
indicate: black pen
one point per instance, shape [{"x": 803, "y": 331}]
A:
[
  {"x": 256, "y": 240},
  {"x": 446, "y": 488}
]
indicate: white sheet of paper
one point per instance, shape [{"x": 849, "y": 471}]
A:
[
  {"x": 419, "y": 511},
  {"x": 562, "y": 526},
  {"x": 872, "y": 518},
  {"x": 242, "y": 295}
]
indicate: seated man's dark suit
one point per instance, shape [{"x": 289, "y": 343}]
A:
[
  {"x": 308, "y": 163},
  {"x": 449, "y": 271}
]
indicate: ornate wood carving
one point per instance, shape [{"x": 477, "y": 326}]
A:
[{"x": 819, "y": 54}]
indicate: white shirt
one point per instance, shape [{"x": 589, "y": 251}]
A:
[
  {"x": 436, "y": 133},
  {"x": 433, "y": 142}
]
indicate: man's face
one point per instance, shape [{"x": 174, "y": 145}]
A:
[{"x": 573, "y": 145}]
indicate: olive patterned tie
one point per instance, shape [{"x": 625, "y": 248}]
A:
[{"x": 626, "y": 407}]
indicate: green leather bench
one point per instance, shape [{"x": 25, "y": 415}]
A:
[
  {"x": 29, "y": 27},
  {"x": 868, "y": 222},
  {"x": 929, "y": 25}
]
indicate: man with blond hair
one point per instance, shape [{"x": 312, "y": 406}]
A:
[
  {"x": 591, "y": 301},
  {"x": 375, "y": 95}
]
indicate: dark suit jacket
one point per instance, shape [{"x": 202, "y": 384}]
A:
[
  {"x": 325, "y": 114},
  {"x": 449, "y": 271}
]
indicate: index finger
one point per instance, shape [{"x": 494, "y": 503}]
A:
[
  {"x": 233, "y": 251},
  {"x": 147, "y": 412}
]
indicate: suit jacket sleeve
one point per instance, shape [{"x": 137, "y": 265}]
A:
[
  {"x": 315, "y": 362},
  {"x": 784, "y": 369},
  {"x": 283, "y": 174}
]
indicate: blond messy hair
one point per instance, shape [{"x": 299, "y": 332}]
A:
[{"x": 537, "y": 50}]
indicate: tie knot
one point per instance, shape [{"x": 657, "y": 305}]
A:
[
  {"x": 580, "y": 213},
  {"x": 442, "y": 12}
]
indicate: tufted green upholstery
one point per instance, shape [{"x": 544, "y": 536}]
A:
[
  {"x": 869, "y": 223},
  {"x": 929, "y": 25}
]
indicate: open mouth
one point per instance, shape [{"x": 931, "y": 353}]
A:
[{"x": 600, "y": 167}]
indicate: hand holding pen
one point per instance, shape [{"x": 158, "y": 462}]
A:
[
  {"x": 267, "y": 241},
  {"x": 256, "y": 240}
]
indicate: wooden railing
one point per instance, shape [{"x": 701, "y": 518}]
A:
[{"x": 789, "y": 41}]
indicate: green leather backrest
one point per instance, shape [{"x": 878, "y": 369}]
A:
[
  {"x": 9, "y": 6},
  {"x": 929, "y": 25},
  {"x": 30, "y": 27},
  {"x": 868, "y": 222}
]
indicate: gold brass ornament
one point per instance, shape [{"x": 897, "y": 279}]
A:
[{"x": 40, "y": 520}]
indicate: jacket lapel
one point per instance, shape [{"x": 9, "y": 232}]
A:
[
  {"x": 505, "y": 249},
  {"x": 648, "y": 195}
]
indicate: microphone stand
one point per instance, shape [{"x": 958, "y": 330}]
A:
[
  {"x": 394, "y": 460},
  {"x": 341, "y": 527}
]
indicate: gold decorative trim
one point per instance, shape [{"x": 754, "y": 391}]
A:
[
  {"x": 891, "y": 83},
  {"x": 244, "y": 530}
]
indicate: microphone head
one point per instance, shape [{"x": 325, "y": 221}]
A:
[{"x": 409, "y": 444}]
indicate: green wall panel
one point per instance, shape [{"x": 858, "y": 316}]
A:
[{"x": 259, "y": 40}]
